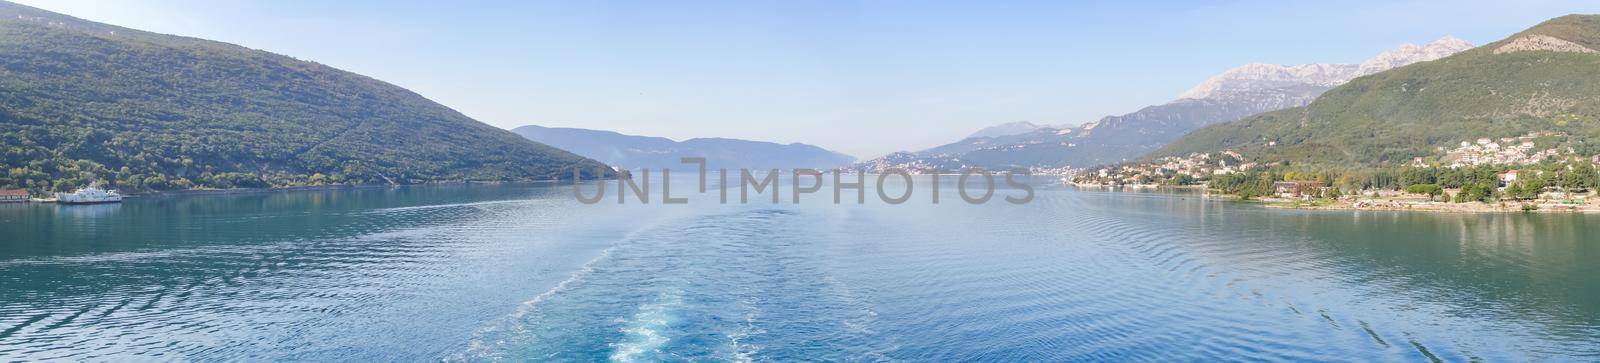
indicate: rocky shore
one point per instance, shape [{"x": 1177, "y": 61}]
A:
[
  {"x": 1424, "y": 205},
  {"x": 1587, "y": 203}
]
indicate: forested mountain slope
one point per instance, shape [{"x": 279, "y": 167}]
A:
[{"x": 83, "y": 102}]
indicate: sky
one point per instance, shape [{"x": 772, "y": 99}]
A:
[{"x": 860, "y": 77}]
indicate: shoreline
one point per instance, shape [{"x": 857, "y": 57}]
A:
[
  {"x": 1137, "y": 186},
  {"x": 188, "y": 192},
  {"x": 1394, "y": 204},
  {"x": 1401, "y": 205},
  {"x": 235, "y": 191},
  {"x": 231, "y": 191}
]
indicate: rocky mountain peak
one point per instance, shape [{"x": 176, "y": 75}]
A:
[
  {"x": 1412, "y": 53},
  {"x": 1533, "y": 42},
  {"x": 1260, "y": 76}
]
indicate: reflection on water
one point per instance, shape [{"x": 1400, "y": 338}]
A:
[
  {"x": 88, "y": 213},
  {"x": 525, "y": 272}
]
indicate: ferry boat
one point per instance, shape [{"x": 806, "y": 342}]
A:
[{"x": 90, "y": 195}]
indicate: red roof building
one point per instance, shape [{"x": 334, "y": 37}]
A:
[{"x": 14, "y": 195}]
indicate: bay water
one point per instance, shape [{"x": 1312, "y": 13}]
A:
[{"x": 526, "y": 272}]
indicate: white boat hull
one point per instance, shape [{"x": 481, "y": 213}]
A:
[
  {"x": 102, "y": 201},
  {"x": 89, "y": 195}
]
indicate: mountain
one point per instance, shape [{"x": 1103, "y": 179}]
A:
[
  {"x": 1006, "y": 129},
  {"x": 1542, "y": 81},
  {"x": 84, "y": 102},
  {"x": 634, "y": 152},
  {"x": 1255, "y": 77},
  {"x": 1408, "y": 54},
  {"x": 1237, "y": 93}
]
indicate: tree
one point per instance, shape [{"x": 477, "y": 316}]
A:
[
  {"x": 1414, "y": 176},
  {"x": 1530, "y": 189},
  {"x": 1514, "y": 191},
  {"x": 1431, "y": 190},
  {"x": 1482, "y": 191},
  {"x": 1579, "y": 179}
]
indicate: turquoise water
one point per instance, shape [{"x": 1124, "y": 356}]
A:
[{"x": 524, "y": 272}]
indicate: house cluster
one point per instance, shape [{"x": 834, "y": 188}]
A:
[
  {"x": 899, "y": 160},
  {"x": 1195, "y": 165},
  {"x": 1057, "y": 171},
  {"x": 1505, "y": 151},
  {"x": 982, "y": 144}
]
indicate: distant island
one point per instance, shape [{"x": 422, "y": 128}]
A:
[
  {"x": 1513, "y": 125},
  {"x": 86, "y": 103}
]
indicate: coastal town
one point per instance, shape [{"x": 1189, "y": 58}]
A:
[
  {"x": 1170, "y": 170},
  {"x": 1511, "y": 174},
  {"x": 1505, "y": 151}
]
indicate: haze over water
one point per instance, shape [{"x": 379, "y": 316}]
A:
[{"x": 526, "y": 272}]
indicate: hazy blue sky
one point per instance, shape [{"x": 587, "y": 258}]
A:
[{"x": 864, "y": 78}]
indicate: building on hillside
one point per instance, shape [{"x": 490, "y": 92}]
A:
[
  {"x": 1291, "y": 189},
  {"x": 1507, "y": 178},
  {"x": 13, "y": 195}
]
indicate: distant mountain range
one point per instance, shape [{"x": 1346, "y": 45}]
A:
[
  {"x": 1542, "y": 81},
  {"x": 1007, "y": 129},
  {"x": 83, "y": 102},
  {"x": 634, "y": 152},
  {"x": 1232, "y": 95},
  {"x": 1256, "y": 77}
]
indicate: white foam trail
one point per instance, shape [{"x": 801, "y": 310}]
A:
[
  {"x": 645, "y": 333},
  {"x": 437, "y": 206},
  {"x": 479, "y": 349},
  {"x": 168, "y": 254},
  {"x": 138, "y": 256},
  {"x": 745, "y": 352}
]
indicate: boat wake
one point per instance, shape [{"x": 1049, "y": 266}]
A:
[
  {"x": 645, "y": 333},
  {"x": 490, "y": 342}
]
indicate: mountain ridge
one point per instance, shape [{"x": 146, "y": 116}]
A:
[
  {"x": 1258, "y": 76},
  {"x": 633, "y": 152},
  {"x": 1412, "y": 112},
  {"x": 1231, "y": 95},
  {"x": 1006, "y": 129},
  {"x": 92, "y": 103}
]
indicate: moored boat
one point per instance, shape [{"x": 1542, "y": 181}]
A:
[{"x": 89, "y": 195}]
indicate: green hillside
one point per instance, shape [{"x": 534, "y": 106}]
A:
[
  {"x": 82, "y": 102},
  {"x": 1389, "y": 118}
]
